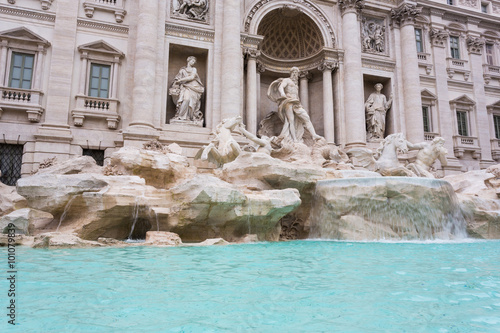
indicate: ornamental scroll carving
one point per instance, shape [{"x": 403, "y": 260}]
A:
[
  {"x": 475, "y": 44},
  {"x": 351, "y": 5},
  {"x": 373, "y": 35},
  {"x": 438, "y": 37},
  {"x": 196, "y": 10}
]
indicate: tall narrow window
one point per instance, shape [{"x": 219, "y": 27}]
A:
[
  {"x": 454, "y": 49},
  {"x": 449, "y": 2},
  {"x": 418, "y": 40},
  {"x": 489, "y": 53},
  {"x": 21, "y": 70},
  {"x": 462, "y": 123},
  {"x": 496, "y": 123},
  {"x": 427, "y": 119},
  {"x": 484, "y": 8},
  {"x": 99, "y": 80}
]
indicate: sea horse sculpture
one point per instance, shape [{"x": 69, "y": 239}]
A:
[
  {"x": 385, "y": 160},
  {"x": 223, "y": 148}
]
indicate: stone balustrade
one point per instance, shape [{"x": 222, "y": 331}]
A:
[
  {"x": 93, "y": 107},
  {"x": 464, "y": 144},
  {"x": 22, "y": 100},
  {"x": 430, "y": 136},
  {"x": 115, "y": 6},
  {"x": 495, "y": 148}
]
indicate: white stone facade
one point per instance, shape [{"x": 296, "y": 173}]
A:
[{"x": 342, "y": 47}]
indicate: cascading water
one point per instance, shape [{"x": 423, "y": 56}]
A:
[
  {"x": 65, "y": 212},
  {"x": 386, "y": 208}
]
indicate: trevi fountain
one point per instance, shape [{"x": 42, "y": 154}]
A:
[{"x": 317, "y": 238}]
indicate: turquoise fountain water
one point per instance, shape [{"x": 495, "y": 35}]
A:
[{"x": 300, "y": 286}]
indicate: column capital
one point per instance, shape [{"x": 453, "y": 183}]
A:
[
  {"x": 405, "y": 14},
  {"x": 438, "y": 37},
  {"x": 328, "y": 65},
  {"x": 261, "y": 68},
  {"x": 251, "y": 52},
  {"x": 351, "y": 6},
  {"x": 475, "y": 44},
  {"x": 305, "y": 75}
]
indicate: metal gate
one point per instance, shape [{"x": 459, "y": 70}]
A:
[{"x": 11, "y": 160}]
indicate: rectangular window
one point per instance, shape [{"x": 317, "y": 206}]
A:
[
  {"x": 496, "y": 123},
  {"x": 11, "y": 159},
  {"x": 484, "y": 8},
  {"x": 21, "y": 70},
  {"x": 462, "y": 123},
  {"x": 454, "y": 49},
  {"x": 449, "y": 2},
  {"x": 96, "y": 154},
  {"x": 427, "y": 120},
  {"x": 489, "y": 53},
  {"x": 99, "y": 80},
  {"x": 418, "y": 39}
]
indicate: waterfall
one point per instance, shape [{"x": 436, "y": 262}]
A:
[
  {"x": 386, "y": 208},
  {"x": 66, "y": 209}
]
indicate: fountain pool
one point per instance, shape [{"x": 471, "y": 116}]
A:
[{"x": 299, "y": 286}]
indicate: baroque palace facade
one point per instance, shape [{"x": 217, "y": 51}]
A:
[{"x": 90, "y": 76}]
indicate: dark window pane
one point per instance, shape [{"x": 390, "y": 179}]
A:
[
  {"x": 11, "y": 158},
  {"x": 96, "y": 154}
]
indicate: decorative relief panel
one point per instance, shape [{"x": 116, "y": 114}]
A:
[
  {"x": 194, "y": 10},
  {"x": 469, "y": 3},
  {"x": 373, "y": 35}
]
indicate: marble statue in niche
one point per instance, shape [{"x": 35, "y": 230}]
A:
[
  {"x": 285, "y": 92},
  {"x": 191, "y": 9},
  {"x": 186, "y": 91},
  {"x": 376, "y": 107},
  {"x": 373, "y": 35}
]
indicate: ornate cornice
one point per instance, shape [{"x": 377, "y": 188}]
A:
[
  {"x": 189, "y": 32},
  {"x": 475, "y": 45},
  {"x": 32, "y": 14},
  {"x": 379, "y": 64},
  {"x": 259, "y": 4},
  {"x": 405, "y": 14},
  {"x": 438, "y": 37},
  {"x": 349, "y": 6},
  {"x": 92, "y": 24}
]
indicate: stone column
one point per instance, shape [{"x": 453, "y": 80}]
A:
[
  {"x": 304, "y": 77},
  {"x": 446, "y": 122},
  {"x": 404, "y": 17},
  {"x": 83, "y": 73},
  {"x": 3, "y": 61},
  {"x": 231, "y": 60},
  {"x": 353, "y": 77},
  {"x": 328, "y": 119},
  {"x": 114, "y": 86},
  {"x": 475, "y": 46},
  {"x": 37, "y": 82},
  {"x": 143, "y": 93},
  {"x": 58, "y": 92},
  {"x": 251, "y": 95}
]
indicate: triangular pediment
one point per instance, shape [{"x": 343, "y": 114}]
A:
[
  {"x": 494, "y": 106},
  {"x": 463, "y": 100},
  {"x": 426, "y": 94},
  {"x": 101, "y": 47},
  {"x": 23, "y": 34}
]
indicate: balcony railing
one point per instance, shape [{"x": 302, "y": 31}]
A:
[
  {"x": 463, "y": 144},
  {"x": 23, "y": 100},
  {"x": 430, "y": 136},
  {"x": 495, "y": 148},
  {"x": 492, "y": 70},
  {"x": 93, "y": 107},
  {"x": 423, "y": 57}
]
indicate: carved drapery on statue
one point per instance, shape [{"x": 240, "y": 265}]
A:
[
  {"x": 373, "y": 35},
  {"x": 376, "y": 107},
  {"x": 186, "y": 91},
  {"x": 196, "y": 10}
]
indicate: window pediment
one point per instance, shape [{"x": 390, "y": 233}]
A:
[
  {"x": 495, "y": 107},
  {"x": 23, "y": 35},
  {"x": 103, "y": 50},
  {"x": 463, "y": 101}
]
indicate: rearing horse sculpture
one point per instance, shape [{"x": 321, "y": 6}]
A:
[{"x": 385, "y": 160}]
